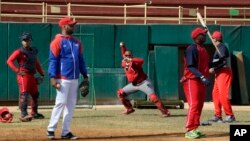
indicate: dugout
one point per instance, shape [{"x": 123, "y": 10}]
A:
[{"x": 160, "y": 45}]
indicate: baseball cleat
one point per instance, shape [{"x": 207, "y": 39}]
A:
[
  {"x": 69, "y": 136},
  {"x": 38, "y": 116},
  {"x": 215, "y": 119},
  {"x": 229, "y": 119},
  {"x": 201, "y": 134},
  {"x": 27, "y": 118},
  {"x": 192, "y": 135},
  {"x": 128, "y": 111},
  {"x": 51, "y": 135},
  {"x": 167, "y": 114},
  {"x": 205, "y": 123}
]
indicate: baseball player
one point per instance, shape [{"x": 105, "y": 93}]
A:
[
  {"x": 138, "y": 82},
  {"x": 223, "y": 81},
  {"x": 195, "y": 80},
  {"x": 28, "y": 64},
  {"x": 66, "y": 62}
]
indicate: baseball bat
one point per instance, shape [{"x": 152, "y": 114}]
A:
[{"x": 208, "y": 33}]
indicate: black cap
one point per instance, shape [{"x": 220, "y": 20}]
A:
[{"x": 26, "y": 36}]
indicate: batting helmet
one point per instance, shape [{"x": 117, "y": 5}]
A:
[
  {"x": 5, "y": 115},
  {"x": 26, "y": 36}
]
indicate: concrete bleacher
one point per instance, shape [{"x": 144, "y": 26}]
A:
[{"x": 103, "y": 12}]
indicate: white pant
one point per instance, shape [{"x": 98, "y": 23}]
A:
[
  {"x": 65, "y": 101},
  {"x": 145, "y": 86}
]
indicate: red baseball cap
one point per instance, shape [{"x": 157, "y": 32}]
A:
[
  {"x": 65, "y": 21},
  {"x": 217, "y": 35},
  {"x": 197, "y": 31}
]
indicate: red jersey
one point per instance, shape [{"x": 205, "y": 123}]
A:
[
  {"x": 133, "y": 69},
  {"x": 21, "y": 59},
  {"x": 196, "y": 56}
]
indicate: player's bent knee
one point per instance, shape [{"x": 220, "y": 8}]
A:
[
  {"x": 154, "y": 98},
  {"x": 121, "y": 93}
]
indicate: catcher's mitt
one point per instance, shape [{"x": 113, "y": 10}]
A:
[
  {"x": 84, "y": 87},
  {"x": 5, "y": 115},
  {"x": 39, "y": 80}
]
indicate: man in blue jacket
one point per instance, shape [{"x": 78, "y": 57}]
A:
[{"x": 66, "y": 62}]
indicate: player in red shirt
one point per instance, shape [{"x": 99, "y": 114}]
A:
[
  {"x": 26, "y": 57},
  {"x": 195, "y": 80},
  {"x": 138, "y": 82},
  {"x": 223, "y": 80}
]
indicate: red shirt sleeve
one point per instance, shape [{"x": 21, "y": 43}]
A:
[
  {"x": 13, "y": 57},
  {"x": 39, "y": 68},
  {"x": 138, "y": 61},
  {"x": 123, "y": 64},
  {"x": 123, "y": 50}
]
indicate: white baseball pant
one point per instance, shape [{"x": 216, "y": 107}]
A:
[{"x": 65, "y": 101}]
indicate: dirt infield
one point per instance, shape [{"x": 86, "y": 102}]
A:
[
  {"x": 30, "y": 134},
  {"x": 107, "y": 123}
]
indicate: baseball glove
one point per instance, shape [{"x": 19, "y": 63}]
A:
[
  {"x": 39, "y": 80},
  {"x": 5, "y": 115},
  {"x": 84, "y": 87}
]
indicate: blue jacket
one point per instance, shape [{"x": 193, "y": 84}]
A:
[{"x": 65, "y": 58}]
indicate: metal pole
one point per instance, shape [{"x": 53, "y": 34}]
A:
[
  {"x": 0, "y": 9},
  {"x": 145, "y": 13},
  {"x": 125, "y": 14},
  {"x": 244, "y": 16},
  {"x": 93, "y": 84},
  {"x": 197, "y": 10},
  {"x": 69, "y": 10},
  {"x": 180, "y": 14},
  {"x": 205, "y": 14},
  {"x": 43, "y": 11},
  {"x": 92, "y": 97},
  {"x": 46, "y": 12}
]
